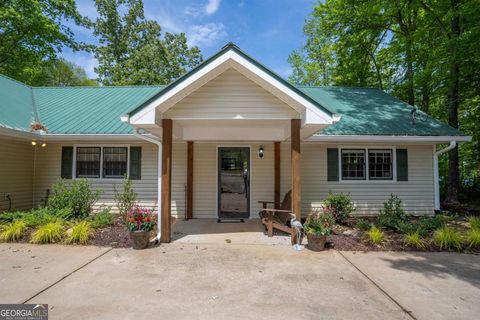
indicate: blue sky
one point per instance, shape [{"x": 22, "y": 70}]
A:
[{"x": 268, "y": 30}]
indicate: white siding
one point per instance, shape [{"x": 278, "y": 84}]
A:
[
  {"x": 16, "y": 173},
  {"x": 231, "y": 96},
  {"x": 417, "y": 193},
  {"x": 49, "y": 166}
]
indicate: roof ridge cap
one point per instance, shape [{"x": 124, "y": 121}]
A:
[{"x": 100, "y": 87}]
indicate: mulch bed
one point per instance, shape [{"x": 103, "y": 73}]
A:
[{"x": 112, "y": 236}]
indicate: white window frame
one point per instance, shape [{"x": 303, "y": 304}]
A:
[
  {"x": 101, "y": 146},
  {"x": 367, "y": 173}
]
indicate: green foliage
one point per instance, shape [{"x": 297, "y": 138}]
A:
[
  {"x": 140, "y": 219},
  {"x": 392, "y": 216},
  {"x": 319, "y": 223},
  {"x": 430, "y": 224},
  {"x": 474, "y": 222},
  {"x": 414, "y": 239},
  {"x": 125, "y": 199},
  {"x": 101, "y": 219},
  {"x": 49, "y": 233},
  {"x": 375, "y": 236},
  {"x": 473, "y": 237},
  {"x": 13, "y": 231},
  {"x": 132, "y": 49},
  {"x": 340, "y": 206},
  {"x": 60, "y": 72},
  {"x": 407, "y": 227},
  {"x": 38, "y": 217},
  {"x": 447, "y": 238},
  {"x": 80, "y": 233},
  {"x": 78, "y": 197},
  {"x": 34, "y": 31},
  {"x": 363, "y": 224}
]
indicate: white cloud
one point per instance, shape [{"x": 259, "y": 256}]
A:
[
  {"x": 206, "y": 35},
  {"x": 212, "y": 6}
]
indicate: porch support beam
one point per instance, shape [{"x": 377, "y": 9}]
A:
[
  {"x": 296, "y": 186},
  {"x": 167, "y": 126},
  {"x": 189, "y": 204},
  {"x": 276, "y": 146}
]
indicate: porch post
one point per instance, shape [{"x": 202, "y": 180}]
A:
[
  {"x": 295, "y": 153},
  {"x": 166, "y": 180},
  {"x": 276, "y": 146},
  {"x": 189, "y": 204}
]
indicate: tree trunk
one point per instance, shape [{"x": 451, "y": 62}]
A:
[
  {"x": 409, "y": 72},
  {"x": 453, "y": 178}
]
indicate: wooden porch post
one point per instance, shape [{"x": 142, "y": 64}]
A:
[
  {"x": 189, "y": 204},
  {"x": 296, "y": 186},
  {"x": 166, "y": 180},
  {"x": 276, "y": 145}
]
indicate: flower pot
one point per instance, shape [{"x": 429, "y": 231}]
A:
[
  {"x": 316, "y": 243},
  {"x": 140, "y": 239}
]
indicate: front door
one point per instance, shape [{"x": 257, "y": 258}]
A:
[{"x": 233, "y": 182}]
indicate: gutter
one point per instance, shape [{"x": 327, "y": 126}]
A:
[
  {"x": 137, "y": 134},
  {"x": 436, "y": 179}
]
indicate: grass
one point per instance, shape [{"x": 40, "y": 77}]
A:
[
  {"x": 413, "y": 239},
  {"x": 375, "y": 236},
  {"x": 448, "y": 238},
  {"x": 13, "y": 231},
  {"x": 80, "y": 233},
  {"x": 48, "y": 233},
  {"x": 473, "y": 238},
  {"x": 102, "y": 219},
  {"x": 474, "y": 222}
]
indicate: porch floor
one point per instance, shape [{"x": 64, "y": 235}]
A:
[{"x": 209, "y": 231}]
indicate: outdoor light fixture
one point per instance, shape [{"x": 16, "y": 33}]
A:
[
  {"x": 44, "y": 145},
  {"x": 261, "y": 152},
  {"x": 34, "y": 143}
]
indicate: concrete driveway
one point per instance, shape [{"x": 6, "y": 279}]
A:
[{"x": 233, "y": 281}]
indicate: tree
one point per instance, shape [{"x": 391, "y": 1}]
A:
[
  {"x": 32, "y": 31},
  {"x": 132, "y": 49},
  {"x": 60, "y": 72}
]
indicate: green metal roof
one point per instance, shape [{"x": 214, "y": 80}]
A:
[
  {"x": 374, "y": 112},
  {"x": 16, "y": 104}
]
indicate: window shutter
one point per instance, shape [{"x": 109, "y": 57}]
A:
[
  {"x": 402, "y": 165},
  {"x": 135, "y": 163},
  {"x": 332, "y": 164},
  {"x": 67, "y": 163}
]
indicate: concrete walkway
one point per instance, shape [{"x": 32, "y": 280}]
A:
[{"x": 239, "y": 281}]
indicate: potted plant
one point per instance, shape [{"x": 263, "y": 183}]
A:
[
  {"x": 317, "y": 227},
  {"x": 140, "y": 222}
]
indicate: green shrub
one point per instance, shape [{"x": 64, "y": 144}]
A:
[
  {"x": 413, "y": 239},
  {"x": 375, "y": 235},
  {"x": 430, "y": 224},
  {"x": 474, "y": 222},
  {"x": 125, "y": 199},
  {"x": 340, "y": 206},
  {"x": 78, "y": 197},
  {"x": 473, "y": 238},
  {"x": 447, "y": 238},
  {"x": 42, "y": 216},
  {"x": 7, "y": 217},
  {"x": 392, "y": 215},
  {"x": 363, "y": 224},
  {"x": 80, "y": 233},
  {"x": 48, "y": 233},
  {"x": 319, "y": 223},
  {"x": 13, "y": 231},
  {"x": 101, "y": 219},
  {"x": 407, "y": 227}
]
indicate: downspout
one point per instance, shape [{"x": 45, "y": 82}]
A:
[
  {"x": 137, "y": 134},
  {"x": 436, "y": 180}
]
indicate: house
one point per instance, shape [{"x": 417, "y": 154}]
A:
[{"x": 215, "y": 142}]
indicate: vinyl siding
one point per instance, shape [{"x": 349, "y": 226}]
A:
[
  {"x": 417, "y": 194},
  {"x": 16, "y": 173},
  {"x": 231, "y": 95}
]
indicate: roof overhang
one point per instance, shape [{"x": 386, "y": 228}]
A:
[
  {"x": 398, "y": 139},
  {"x": 150, "y": 113}
]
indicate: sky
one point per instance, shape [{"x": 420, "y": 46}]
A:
[{"x": 267, "y": 30}]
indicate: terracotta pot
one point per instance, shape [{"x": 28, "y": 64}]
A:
[
  {"x": 140, "y": 239},
  {"x": 316, "y": 243}
]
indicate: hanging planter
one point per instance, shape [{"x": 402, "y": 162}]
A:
[{"x": 38, "y": 127}]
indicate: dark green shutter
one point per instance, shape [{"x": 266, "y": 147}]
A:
[
  {"x": 332, "y": 164},
  {"x": 402, "y": 165},
  {"x": 67, "y": 162},
  {"x": 135, "y": 163}
]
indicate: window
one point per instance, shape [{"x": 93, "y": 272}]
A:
[
  {"x": 353, "y": 164},
  {"x": 88, "y": 162},
  {"x": 380, "y": 164},
  {"x": 115, "y": 162}
]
